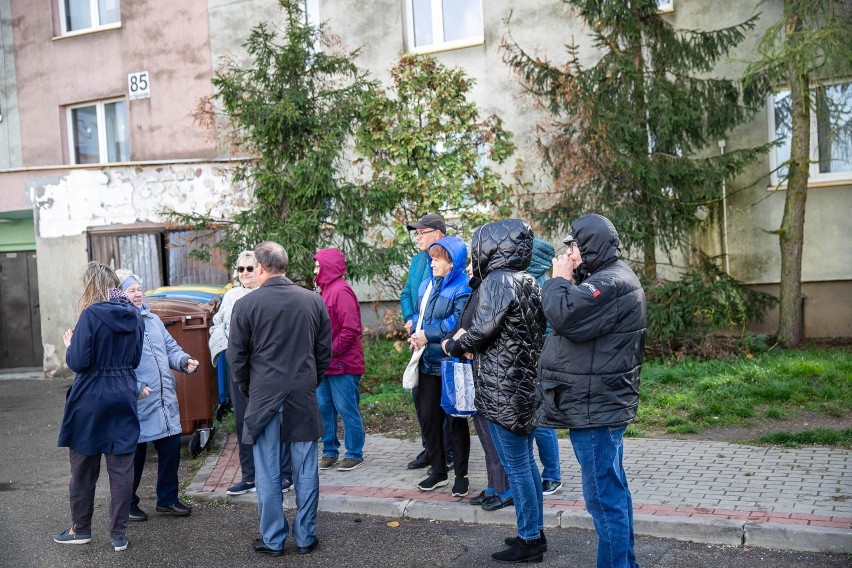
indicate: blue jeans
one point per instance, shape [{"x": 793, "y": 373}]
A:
[
  {"x": 548, "y": 453},
  {"x": 341, "y": 395},
  {"x": 269, "y": 453},
  {"x": 600, "y": 452},
  {"x": 516, "y": 455}
]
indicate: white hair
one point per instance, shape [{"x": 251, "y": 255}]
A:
[{"x": 124, "y": 275}]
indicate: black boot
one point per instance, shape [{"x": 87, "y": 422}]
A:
[
  {"x": 511, "y": 540},
  {"x": 521, "y": 551}
]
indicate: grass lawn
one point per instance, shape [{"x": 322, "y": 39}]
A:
[
  {"x": 385, "y": 405},
  {"x": 684, "y": 397},
  {"x": 678, "y": 397}
]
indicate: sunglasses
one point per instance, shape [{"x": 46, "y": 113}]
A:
[{"x": 242, "y": 269}]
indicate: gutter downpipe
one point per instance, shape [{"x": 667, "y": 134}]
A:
[{"x": 724, "y": 215}]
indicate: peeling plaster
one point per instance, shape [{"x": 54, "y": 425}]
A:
[{"x": 93, "y": 198}]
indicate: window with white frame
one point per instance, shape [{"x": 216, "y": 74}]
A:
[
  {"x": 99, "y": 132},
  {"x": 443, "y": 24},
  {"x": 831, "y": 133},
  {"x": 86, "y": 14},
  {"x": 665, "y": 5},
  {"x": 312, "y": 18},
  {"x": 312, "y": 12}
]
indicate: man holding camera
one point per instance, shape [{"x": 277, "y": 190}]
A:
[{"x": 589, "y": 373}]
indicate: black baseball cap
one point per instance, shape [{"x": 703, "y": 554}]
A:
[{"x": 430, "y": 221}]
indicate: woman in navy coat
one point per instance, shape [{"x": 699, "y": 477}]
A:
[{"x": 100, "y": 407}]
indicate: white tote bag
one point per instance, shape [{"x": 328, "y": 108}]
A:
[{"x": 411, "y": 374}]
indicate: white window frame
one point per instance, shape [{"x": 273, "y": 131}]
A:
[
  {"x": 312, "y": 12},
  {"x": 815, "y": 177},
  {"x": 103, "y": 150},
  {"x": 94, "y": 10},
  {"x": 311, "y": 9},
  {"x": 438, "y": 31}
]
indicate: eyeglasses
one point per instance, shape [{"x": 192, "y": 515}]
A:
[
  {"x": 420, "y": 234},
  {"x": 241, "y": 269}
]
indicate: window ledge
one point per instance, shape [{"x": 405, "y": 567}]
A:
[
  {"x": 87, "y": 31},
  {"x": 133, "y": 163},
  {"x": 448, "y": 45},
  {"x": 812, "y": 184}
]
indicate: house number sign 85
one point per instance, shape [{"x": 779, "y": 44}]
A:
[{"x": 138, "y": 85}]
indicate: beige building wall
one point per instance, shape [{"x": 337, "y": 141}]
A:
[
  {"x": 180, "y": 43},
  {"x": 753, "y": 209}
]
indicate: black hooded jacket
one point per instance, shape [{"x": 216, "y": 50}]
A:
[
  {"x": 589, "y": 367},
  {"x": 506, "y": 329}
]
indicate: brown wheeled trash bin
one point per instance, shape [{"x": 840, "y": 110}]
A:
[{"x": 189, "y": 323}]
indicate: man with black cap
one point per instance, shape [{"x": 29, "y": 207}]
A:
[
  {"x": 428, "y": 229},
  {"x": 589, "y": 373}
]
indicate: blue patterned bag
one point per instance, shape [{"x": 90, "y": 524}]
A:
[{"x": 457, "y": 392}]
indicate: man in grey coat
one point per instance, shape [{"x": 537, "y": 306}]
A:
[{"x": 280, "y": 347}]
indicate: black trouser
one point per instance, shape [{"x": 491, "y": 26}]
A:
[
  {"x": 415, "y": 395},
  {"x": 433, "y": 428},
  {"x": 168, "y": 463},
  {"x": 239, "y": 403},
  {"x": 497, "y": 478}
]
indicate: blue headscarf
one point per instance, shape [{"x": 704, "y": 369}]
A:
[{"x": 130, "y": 281}]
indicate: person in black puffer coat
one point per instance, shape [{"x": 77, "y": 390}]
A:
[
  {"x": 589, "y": 372},
  {"x": 498, "y": 494},
  {"x": 505, "y": 336}
]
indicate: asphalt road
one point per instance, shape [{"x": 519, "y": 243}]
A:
[{"x": 34, "y": 506}]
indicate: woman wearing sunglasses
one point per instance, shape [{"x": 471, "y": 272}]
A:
[{"x": 218, "y": 346}]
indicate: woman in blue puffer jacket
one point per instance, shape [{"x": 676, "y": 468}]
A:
[
  {"x": 157, "y": 406},
  {"x": 448, "y": 292}
]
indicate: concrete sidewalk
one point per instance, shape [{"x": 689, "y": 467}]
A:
[{"x": 710, "y": 492}]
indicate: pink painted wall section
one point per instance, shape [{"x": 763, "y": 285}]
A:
[
  {"x": 167, "y": 38},
  {"x": 14, "y": 192}
]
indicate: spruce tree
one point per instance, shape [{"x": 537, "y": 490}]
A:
[
  {"x": 291, "y": 109},
  {"x": 633, "y": 134}
]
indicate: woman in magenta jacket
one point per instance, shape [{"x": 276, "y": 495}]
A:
[{"x": 339, "y": 392}]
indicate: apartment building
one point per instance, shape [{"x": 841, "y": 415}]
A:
[{"x": 97, "y": 140}]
